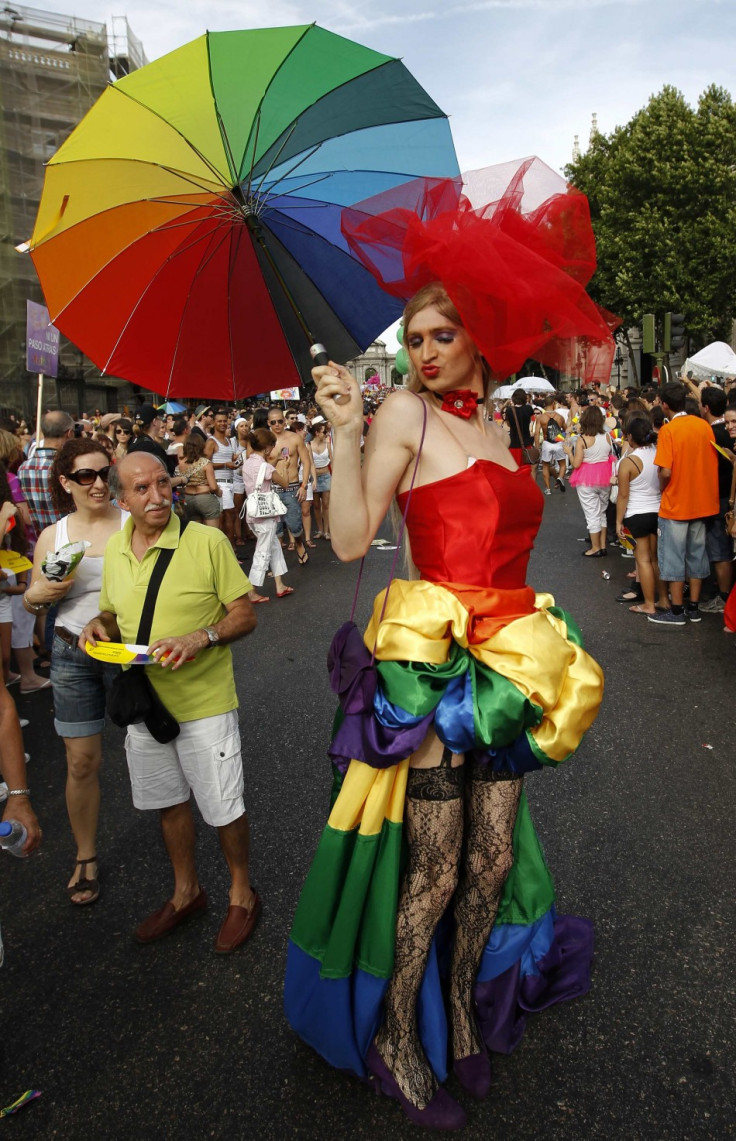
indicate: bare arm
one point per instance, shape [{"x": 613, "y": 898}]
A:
[
  {"x": 305, "y": 459},
  {"x": 280, "y": 477},
  {"x": 103, "y": 628},
  {"x": 665, "y": 475},
  {"x": 13, "y": 764},
  {"x": 239, "y": 620},
  {"x": 42, "y": 591},
  {"x": 576, "y": 453},
  {"x": 360, "y": 497},
  {"x": 212, "y": 483},
  {"x": 626, "y": 470}
]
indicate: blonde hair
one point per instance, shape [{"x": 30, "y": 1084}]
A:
[{"x": 436, "y": 294}]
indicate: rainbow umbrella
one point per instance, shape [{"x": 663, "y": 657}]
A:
[{"x": 188, "y": 237}]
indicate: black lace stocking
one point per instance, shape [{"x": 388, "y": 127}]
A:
[
  {"x": 434, "y": 826},
  {"x": 490, "y": 808}
]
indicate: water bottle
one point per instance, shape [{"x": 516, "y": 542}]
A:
[{"x": 13, "y": 836}]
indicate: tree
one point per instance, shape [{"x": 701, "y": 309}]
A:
[{"x": 662, "y": 193}]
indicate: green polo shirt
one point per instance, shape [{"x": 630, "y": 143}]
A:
[{"x": 201, "y": 579}]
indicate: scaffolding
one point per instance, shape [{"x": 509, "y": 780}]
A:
[{"x": 52, "y": 69}]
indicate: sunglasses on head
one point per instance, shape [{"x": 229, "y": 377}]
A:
[{"x": 86, "y": 476}]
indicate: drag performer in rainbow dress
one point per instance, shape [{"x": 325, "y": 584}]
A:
[{"x": 426, "y": 930}]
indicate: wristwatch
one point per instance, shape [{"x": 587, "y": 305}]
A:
[{"x": 212, "y": 634}]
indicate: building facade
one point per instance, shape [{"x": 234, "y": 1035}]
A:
[
  {"x": 52, "y": 69},
  {"x": 376, "y": 361}
]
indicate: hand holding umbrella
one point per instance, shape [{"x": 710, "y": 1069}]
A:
[{"x": 338, "y": 395}]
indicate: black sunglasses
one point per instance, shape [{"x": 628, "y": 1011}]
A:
[
  {"x": 122, "y": 431},
  {"x": 276, "y": 421},
  {"x": 86, "y": 476}
]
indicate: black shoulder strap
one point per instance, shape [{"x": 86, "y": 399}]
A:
[{"x": 162, "y": 562}]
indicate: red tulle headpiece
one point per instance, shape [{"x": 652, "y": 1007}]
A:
[{"x": 515, "y": 267}]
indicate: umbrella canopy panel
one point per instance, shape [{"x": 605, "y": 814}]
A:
[{"x": 188, "y": 237}]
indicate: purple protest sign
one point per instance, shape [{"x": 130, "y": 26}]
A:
[{"x": 42, "y": 341}]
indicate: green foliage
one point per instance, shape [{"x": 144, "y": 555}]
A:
[{"x": 662, "y": 193}]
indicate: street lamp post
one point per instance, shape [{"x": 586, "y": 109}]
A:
[{"x": 618, "y": 360}]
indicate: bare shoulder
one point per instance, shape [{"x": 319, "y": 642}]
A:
[{"x": 399, "y": 418}]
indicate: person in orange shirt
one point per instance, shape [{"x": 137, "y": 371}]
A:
[{"x": 688, "y": 476}]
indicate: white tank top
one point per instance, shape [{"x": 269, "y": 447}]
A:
[
  {"x": 644, "y": 490},
  {"x": 83, "y": 600},
  {"x": 223, "y": 455},
  {"x": 321, "y": 459},
  {"x": 598, "y": 451}
]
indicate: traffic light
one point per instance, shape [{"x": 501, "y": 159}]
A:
[
  {"x": 677, "y": 331},
  {"x": 674, "y": 332},
  {"x": 648, "y": 341}
]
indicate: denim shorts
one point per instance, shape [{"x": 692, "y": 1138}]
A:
[
  {"x": 293, "y": 516},
  {"x": 80, "y": 686},
  {"x": 324, "y": 481},
  {"x": 681, "y": 550}
]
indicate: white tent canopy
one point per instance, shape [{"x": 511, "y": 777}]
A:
[{"x": 717, "y": 359}]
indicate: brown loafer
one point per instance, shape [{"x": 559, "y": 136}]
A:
[
  {"x": 161, "y": 922},
  {"x": 238, "y": 925}
]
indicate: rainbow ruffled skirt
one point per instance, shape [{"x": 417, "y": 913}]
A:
[{"x": 502, "y": 675}]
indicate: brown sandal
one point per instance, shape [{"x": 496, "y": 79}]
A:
[{"x": 83, "y": 884}]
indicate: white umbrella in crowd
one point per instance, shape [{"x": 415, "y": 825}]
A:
[
  {"x": 716, "y": 359},
  {"x": 526, "y": 384}
]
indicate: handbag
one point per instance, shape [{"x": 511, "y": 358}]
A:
[
  {"x": 132, "y": 698},
  {"x": 529, "y": 453},
  {"x": 263, "y": 504}
]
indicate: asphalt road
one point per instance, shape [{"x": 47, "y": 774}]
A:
[{"x": 171, "y": 1041}]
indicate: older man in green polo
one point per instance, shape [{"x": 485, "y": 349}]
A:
[{"x": 201, "y": 607}]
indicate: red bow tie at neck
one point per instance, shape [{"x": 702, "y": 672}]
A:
[{"x": 462, "y": 402}]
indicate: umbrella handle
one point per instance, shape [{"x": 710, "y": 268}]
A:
[{"x": 320, "y": 356}]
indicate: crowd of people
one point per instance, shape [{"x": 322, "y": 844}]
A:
[
  {"x": 649, "y": 480},
  {"x": 654, "y": 473},
  {"x": 66, "y": 488}
]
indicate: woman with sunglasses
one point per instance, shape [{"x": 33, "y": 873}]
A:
[
  {"x": 123, "y": 436},
  {"x": 78, "y": 484}
]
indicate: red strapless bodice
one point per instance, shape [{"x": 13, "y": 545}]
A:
[{"x": 477, "y": 527}]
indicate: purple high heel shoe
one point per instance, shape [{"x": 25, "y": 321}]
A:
[
  {"x": 443, "y": 1112},
  {"x": 474, "y": 1074}
]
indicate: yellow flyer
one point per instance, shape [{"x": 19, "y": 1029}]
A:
[
  {"x": 13, "y": 562},
  {"x": 120, "y": 654},
  {"x": 724, "y": 452}
]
